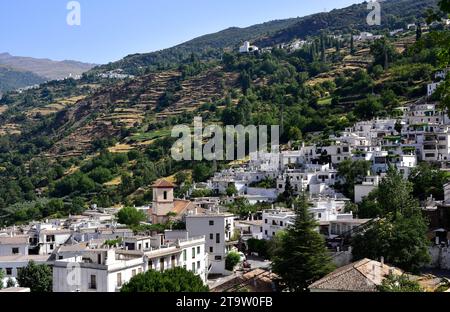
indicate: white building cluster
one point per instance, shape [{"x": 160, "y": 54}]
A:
[{"x": 108, "y": 255}]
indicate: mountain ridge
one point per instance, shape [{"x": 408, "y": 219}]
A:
[
  {"x": 211, "y": 46},
  {"x": 30, "y": 71},
  {"x": 45, "y": 67}
]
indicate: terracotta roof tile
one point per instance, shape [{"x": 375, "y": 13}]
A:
[
  {"x": 362, "y": 276},
  {"x": 163, "y": 183}
]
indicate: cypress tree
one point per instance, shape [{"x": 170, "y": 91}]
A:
[
  {"x": 352, "y": 45},
  {"x": 418, "y": 31}
]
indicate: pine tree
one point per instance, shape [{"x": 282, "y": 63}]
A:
[{"x": 302, "y": 257}]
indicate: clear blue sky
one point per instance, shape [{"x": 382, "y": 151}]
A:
[{"x": 112, "y": 29}]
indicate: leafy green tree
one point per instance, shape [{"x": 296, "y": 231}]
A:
[
  {"x": 399, "y": 283},
  {"x": 181, "y": 177},
  {"x": 368, "y": 108},
  {"x": 37, "y": 277},
  {"x": 295, "y": 134},
  {"x": 377, "y": 71},
  {"x": 173, "y": 280},
  {"x": 303, "y": 257},
  {"x": 130, "y": 216},
  {"x": 402, "y": 242},
  {"x": 352, "y": 172},
  {"x": 389, "y": 99},
  {"x": 369, "y": 208},
  {"x": 384, "y": 52},
  {"x": 78, "y": 205},
  {"x": 231, "y": 190},
  {"x": 428, "y": 180},
  {"x": 10, "y": 283},
  {"x": 232, "y": 260},
  {"x": 100, "y": 175},
  {"x": 445, "y": 5},
  {"x": 260, "y": 246},
  {"x": 245, "y": 81},
  {"x": 400, "y": 235},
  {"x": 242, "y": 207},
  {"x": 201, "y": 172},
  {"x": 2, "y": 276},
  {"x": 395, "y": 194},
  {"x": 127, "y": 186}
]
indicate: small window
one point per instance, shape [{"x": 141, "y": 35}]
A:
[
  {"x": 211, "y": 236},
  {"x": 139, "y": 271},
  {"x": 218, "y": 258},
  {"x": 211, "y": 249},
  {"x": 8, "y": 271},
  {"x": 266, "y": 221},
  {"x": 15, "y": 251},
  {"x": 93, "y": 282},
  {"x": 193, "y": 253},
  {"x": 184, "y": 255},
  {"x": 198, "y": 265},
  {"x": 218, "y": 238},
  {"x": 165, "y": 195},
  {"x": 119, "y": 279},
  {"x": 198, "y": 249},
  {"x": 133, "y": 273},
  {"x": 193, "y": 267},
  {"x": 211, "y": 222}
]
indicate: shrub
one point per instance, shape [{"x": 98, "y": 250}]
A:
[{"x": 232, "y": 260}]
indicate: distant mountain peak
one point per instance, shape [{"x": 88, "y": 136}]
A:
[
  {"x": 18, "y": 71},
  {"x": 44, "y": 67}
]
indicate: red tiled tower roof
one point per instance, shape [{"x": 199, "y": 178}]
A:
[{"x": 163, "y": 183}]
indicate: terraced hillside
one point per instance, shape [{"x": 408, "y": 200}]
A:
[{"x": 134, "y": 105}]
